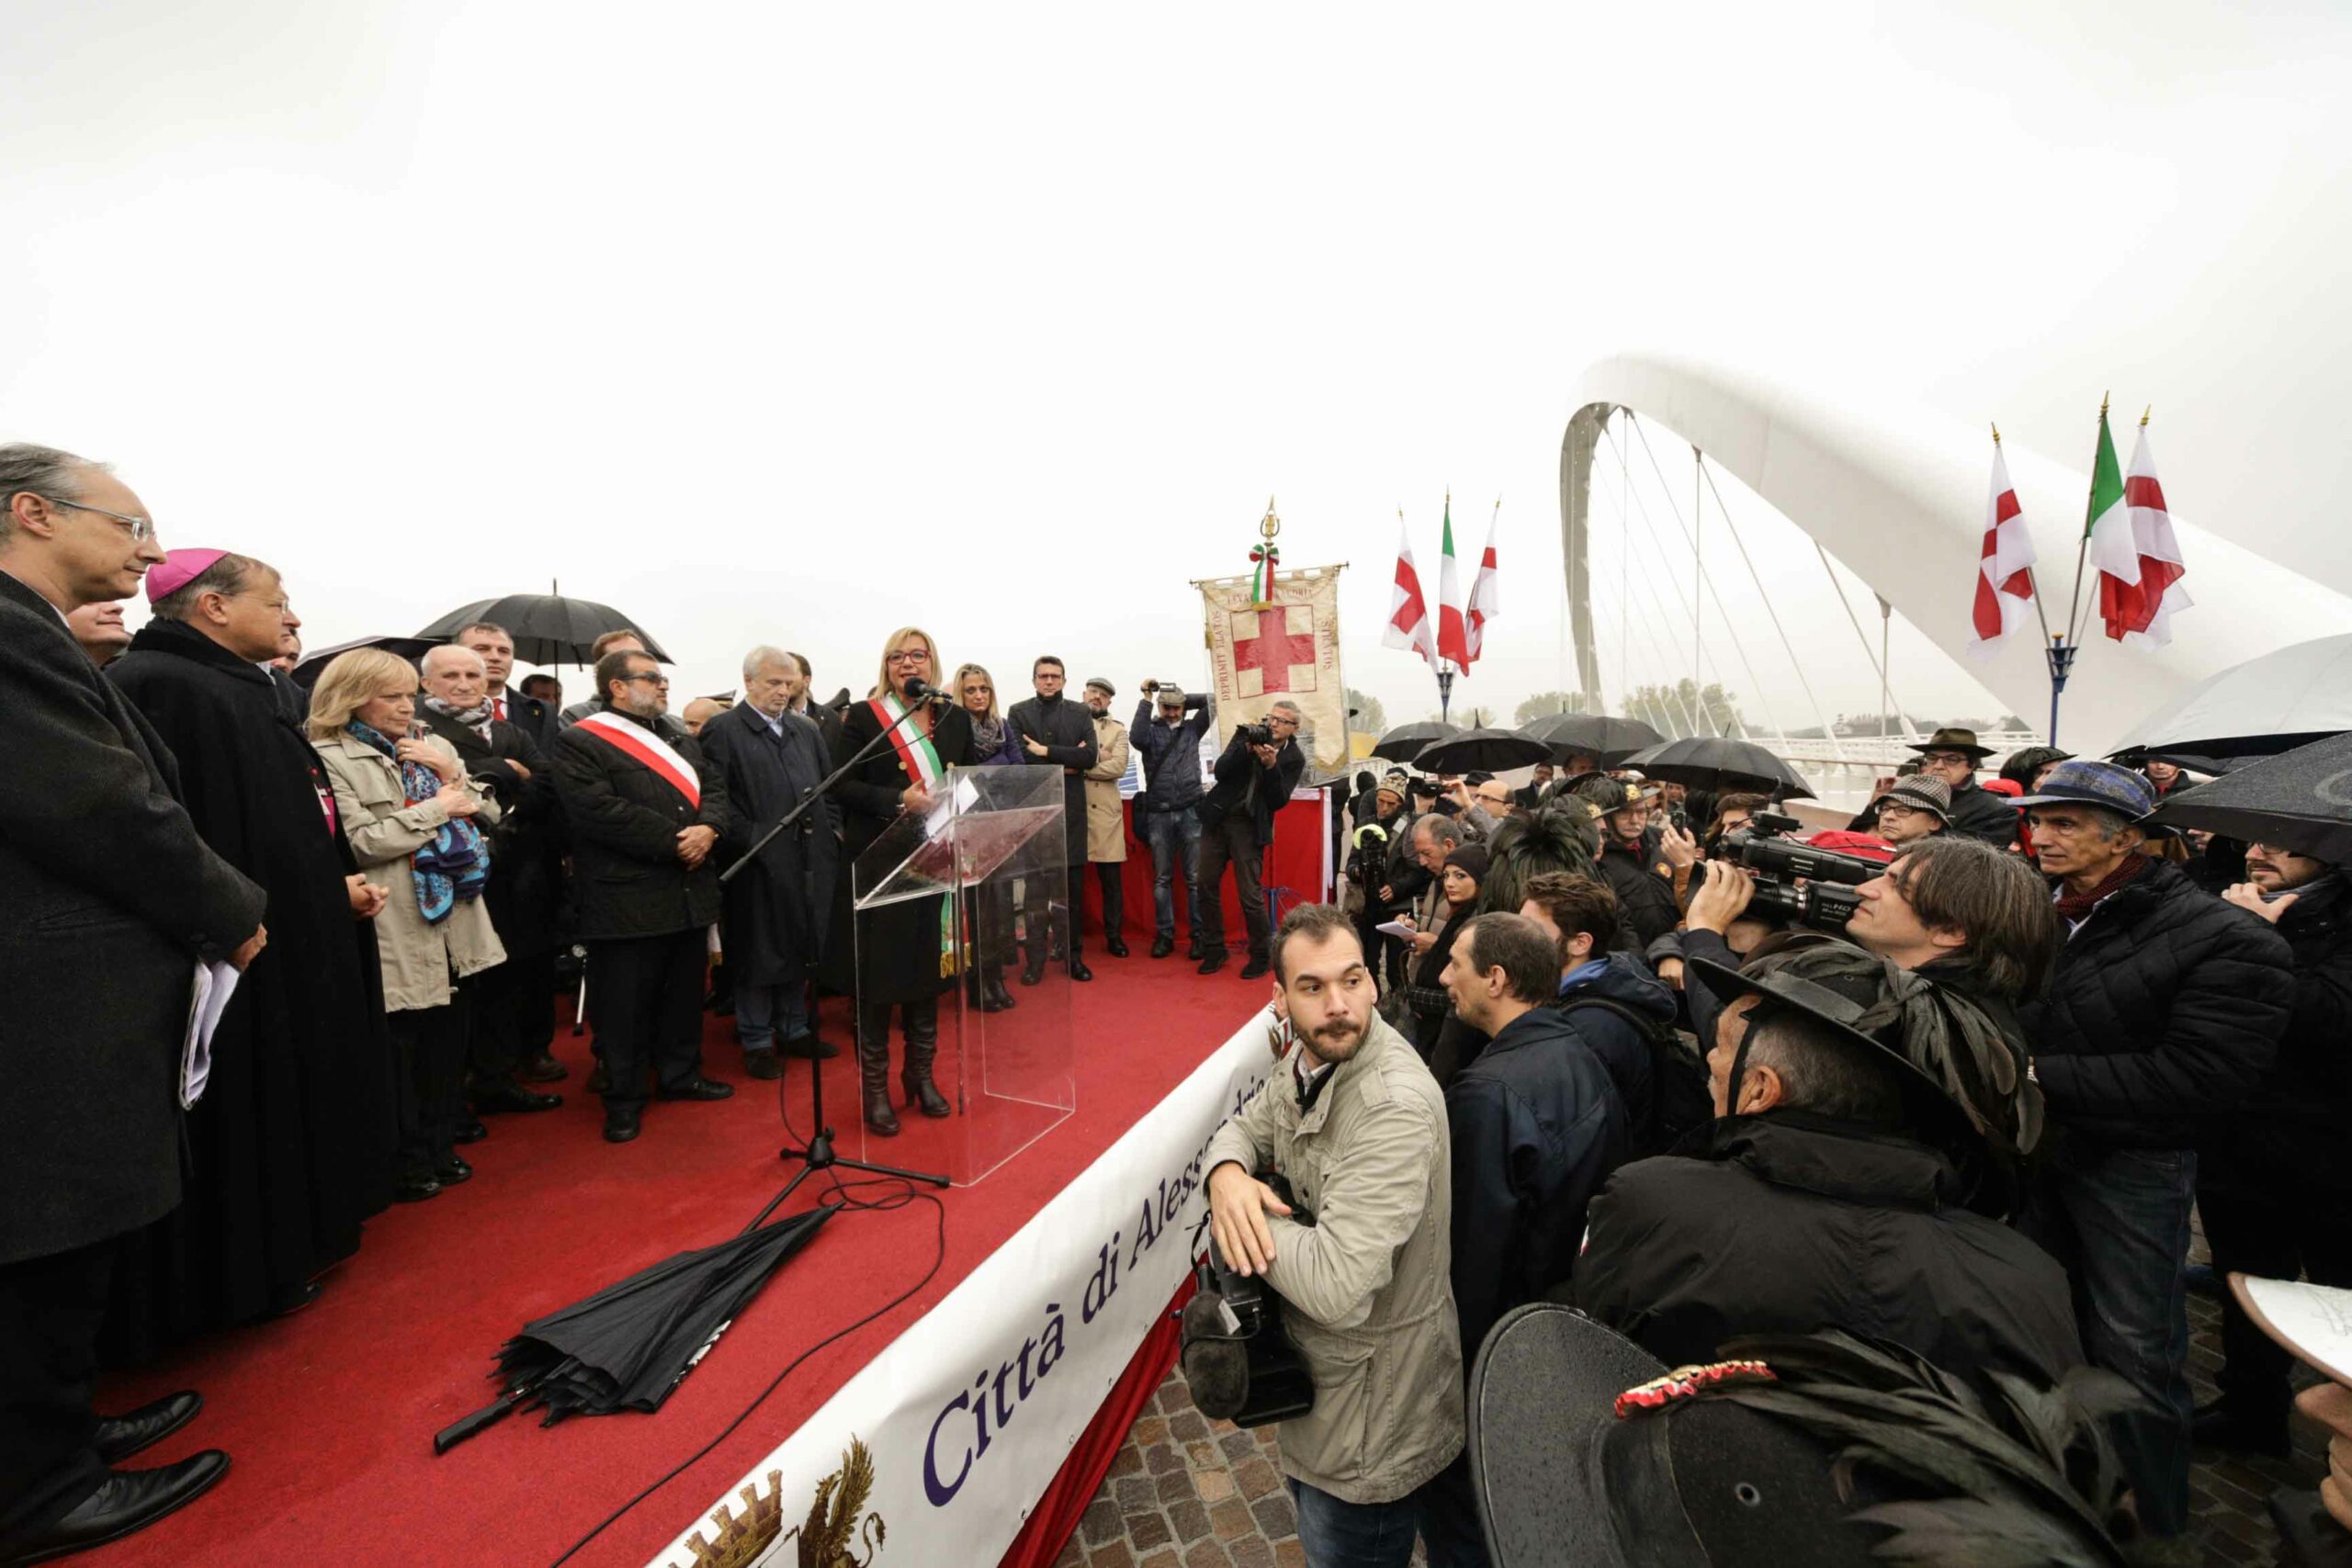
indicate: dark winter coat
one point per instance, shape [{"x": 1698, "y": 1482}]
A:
[
  {"x": 1239, "y": 777},
  {"x": 623, "y": 820},
  {"x": 1645, "y": 899},
  {"x": 526, "y": 892},
  {"x": 1170, "y": 752},
  {"x": 1979, "y": 813},
  {"x": 111, "y": 897},
  {"x": 1627, "y": 982},
  {"x": 779, "y": 906},
  {"x": 1536, "y": 1129},
  {"x": 2166, "y": 1007},
  {"x": 532, "y": 716},
  {"x": 1789, "y": 1223},
  {"x": 891, "y": 953},
  {"x": 289, "y": 1149},
  {"x": 2290, "y": 1136},
  {"x": 1065, "y": 730}
]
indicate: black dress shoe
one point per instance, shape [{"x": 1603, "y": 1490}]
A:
[
  {"x": 125, "y": 1501},
  {"x": 1212, "y": 961},
  {"x": 415, "y": 1189},
  {"x": 1078, "y": 971},
  {"x": 543, "y": 1068},
  {"x": 120, "y": 1437},
  {"x": 620, "y": 1126},
  {"x": 761, "y": 1063},
  {"x": 1116, "y": 946},
  {"x": 1257, "y": 967},
  {"x": 996, "y": 997},
  {"x": 469, "y": 1130},
  {"x": 809, "y": 1048},
  {"x": 1161, "y": 946},
  {"x": 502, "y": 1095},
  {"x": 451, "y": 1171},
  {"x": 699, "y": 1088},
  {"x": 286, "y": 1304},
  {"x": 1031, "y": 973}
]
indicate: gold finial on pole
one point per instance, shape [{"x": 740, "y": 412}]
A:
[
  {"x": 2102, "y": 405},
  {"x": 2144, "y": 414},
  {"x": 1997, "y": 434},
  {"x": 1269, "y": 525}
]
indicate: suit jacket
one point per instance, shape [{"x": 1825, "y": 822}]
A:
[
  {"x": 111, "y": 897},
  {"x": 534, "y": 717},
  {"x": 624, "y": 820}
]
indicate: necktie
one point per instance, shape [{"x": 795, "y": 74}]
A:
[{"x": 498, "y": 709}]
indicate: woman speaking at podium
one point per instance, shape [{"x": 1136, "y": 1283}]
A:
[{"x": 898, "y": 956}]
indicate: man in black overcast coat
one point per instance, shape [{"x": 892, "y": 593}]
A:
[
  {"x": 1253, "y": 780},
  {"x": 1056, "y": 733},
  {"x": 112, "y": 899}
]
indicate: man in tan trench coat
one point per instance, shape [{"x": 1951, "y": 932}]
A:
[{"x": 1106, "y": 816}]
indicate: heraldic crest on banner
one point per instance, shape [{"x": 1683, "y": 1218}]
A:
[{"x": 1275, "y": 634}]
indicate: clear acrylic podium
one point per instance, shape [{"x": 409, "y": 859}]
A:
[{"x": 993, "y": 842}]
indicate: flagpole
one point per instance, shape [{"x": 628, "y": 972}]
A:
[{"x": 2061, "y": 650}]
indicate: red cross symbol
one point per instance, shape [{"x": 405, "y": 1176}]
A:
[{"x": 1273, "y": 651}]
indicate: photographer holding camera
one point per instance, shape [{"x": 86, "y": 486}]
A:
[
  {"x": 1261, "y": 766},
  {"x": 1355, "y": 1122}
]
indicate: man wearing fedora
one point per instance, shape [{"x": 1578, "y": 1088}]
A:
[
  {"x": 1913, "y": 809},
  {"x": 2163, "y": 1014},
  {"x": 1952, "y": 758}
]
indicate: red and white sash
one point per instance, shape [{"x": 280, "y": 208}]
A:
[{"x": 648, "y": 747}]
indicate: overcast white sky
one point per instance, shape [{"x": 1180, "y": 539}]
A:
[{"x": 792, "y": 324}]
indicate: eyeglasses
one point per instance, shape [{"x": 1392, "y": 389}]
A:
[
  {"x": 140, "y": 529},
  {"x": 1494, "y": 799},
  {"x": 656, "y": 679},
  {"x": 1948, "y": 760},
  {"x": 916, "y": 655}
]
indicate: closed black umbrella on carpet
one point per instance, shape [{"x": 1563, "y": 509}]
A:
[
  {"x": 548, "y": 628},
  {"x": 628, "y": 1345},
  {"x": 314, "y": 663},
  {"x": 1494, "y": 751},
  {"x": 1712, "y": 762},
  {"x": 2300, "y": 800},
  {"x": 1404, "y": 743},
  {"x": 1591, "y": 735}
]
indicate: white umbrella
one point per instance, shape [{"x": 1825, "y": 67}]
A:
[{"x": 2283, "y": 699}]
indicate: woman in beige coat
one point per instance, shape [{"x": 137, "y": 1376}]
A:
[{"x": 410, "y": 813}]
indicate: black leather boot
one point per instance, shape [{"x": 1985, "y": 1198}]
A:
[
  {"x": 874, "y": 1067},
  {"x": 922, "y": 1049},
  {"x": 992, "y": 989}
]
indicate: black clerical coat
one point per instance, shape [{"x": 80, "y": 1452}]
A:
[
  {"x": 895, "y": 953},
  {"x": 527, "y": 842},
  {"x": 778, "y": 907},
  {"x": 290, "y": 1145},
  {"x": 109, "y": 897}
]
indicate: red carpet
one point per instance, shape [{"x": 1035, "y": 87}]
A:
[{"x": 329, "y": 1416}]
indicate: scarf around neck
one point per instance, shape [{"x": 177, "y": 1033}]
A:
[
  {"x": 454, "y": 863},
  {"x": 476, "y": 718},
  {"x": 2074, "y": 908},
  {"x": 988, "y": 734}
]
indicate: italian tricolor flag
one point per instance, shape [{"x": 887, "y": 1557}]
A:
[
  {"x": 1452, "y": 640},
  {"x": 2132, "y": 543}
]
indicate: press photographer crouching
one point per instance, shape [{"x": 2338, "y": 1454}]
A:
[{"x": 1355, "y": 1122}]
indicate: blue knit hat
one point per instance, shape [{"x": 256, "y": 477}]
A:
[{"x": 2082, "y": 782}]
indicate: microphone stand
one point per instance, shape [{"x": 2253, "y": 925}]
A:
[{"x": 819, "y": 1155}]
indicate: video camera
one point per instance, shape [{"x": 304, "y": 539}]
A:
[
  {"x": 1797, "y": 883},
  {"x": 1239, "y": 1360}
]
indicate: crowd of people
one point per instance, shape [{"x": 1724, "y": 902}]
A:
[{"x": 1553, "y": 1042}]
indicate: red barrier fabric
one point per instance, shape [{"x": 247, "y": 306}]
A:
[
  {"x": 1055, "y": 1518},
  {"x": 1297, "y": 872}
]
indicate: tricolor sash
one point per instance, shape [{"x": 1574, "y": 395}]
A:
[
  {"x": 919, "y": 758},
  {"x": 646, "y": 746}
]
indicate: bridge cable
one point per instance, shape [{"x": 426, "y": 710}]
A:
[
  {"x": 1708, "y": 662},
  {"x": 1859, "y": 635},
  {"x": 1654, "y": 636},
  {"x": 1663, "y": 695}
]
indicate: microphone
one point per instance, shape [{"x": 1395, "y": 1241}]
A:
[{"x": 921, "y": 691}]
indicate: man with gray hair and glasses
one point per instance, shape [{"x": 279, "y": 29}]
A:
[
  {"x": 112, "y": 900},
  {"x": 1259, "y": 768}
]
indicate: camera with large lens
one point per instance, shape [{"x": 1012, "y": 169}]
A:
[
  {"x": 1241, "y": 1363},
  {"x": 1259, "y": 734},
  {"x": 1795, "y": 883}
]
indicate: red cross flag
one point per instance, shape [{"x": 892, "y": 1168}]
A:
[
  {"x": 1484, "y": 601},
  {"x": 1409, "y": 611},
  {"x": 1282, "y": 648},
  {"x": 2004, "y": 568}
]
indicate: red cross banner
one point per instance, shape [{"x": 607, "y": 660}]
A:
[{"x": 1287, "y": 645}]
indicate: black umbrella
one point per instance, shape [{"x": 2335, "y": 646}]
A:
[
  {"x": 1712, "y": 762},
  {"x": 2286, "y": 698},
  {"x": 548, "y": 628},
  {"x": 1404, "y": 743},
  {"x": 1591, "y": 735},
  {"x": 2300, "y": 800},
  {"x": 1495, "y": 750},
  {"x": 628, "y": 1345},
  {"x": 314, "y": 663}
]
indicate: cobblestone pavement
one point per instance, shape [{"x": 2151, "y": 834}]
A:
[{"x": 1186, "y": 1492}]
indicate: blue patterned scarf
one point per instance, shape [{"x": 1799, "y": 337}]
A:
[{"x": 455, "y": 864}]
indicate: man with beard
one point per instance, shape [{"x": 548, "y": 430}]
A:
[
  {"x": 1952, "y": 758},
  {"x": 2274, "y": 1183},
  {"x": 1056, "y": 733},
  {"x": 290, "y": 1147},
  {"x": 1355, "y": 1122},
  {"x": 111, "y": 895},
  {"x": 509, "y": 1020},
  {"x": 770, "y": 759}
]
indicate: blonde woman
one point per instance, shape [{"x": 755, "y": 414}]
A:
[
  {"x": 895, "y": 959},
  {"x": 411, "y": 817},
  {"x": 993, "y": 745}
]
